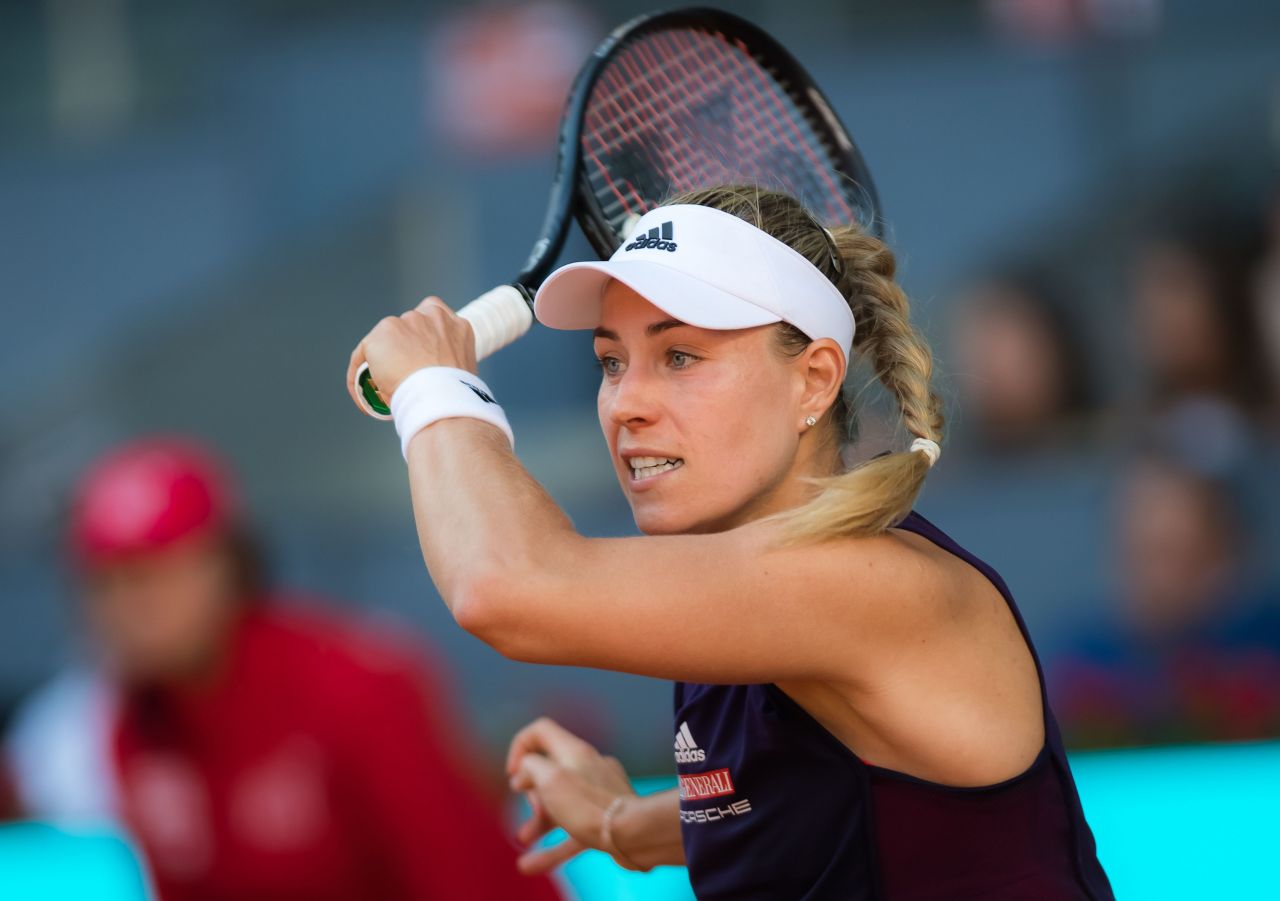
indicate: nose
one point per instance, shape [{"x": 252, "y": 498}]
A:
[{"x": 634, "y": 400}]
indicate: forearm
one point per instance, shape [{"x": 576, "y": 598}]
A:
[
  {"x": 646, "y": 830},
  {"x": 480, "y": 515}
]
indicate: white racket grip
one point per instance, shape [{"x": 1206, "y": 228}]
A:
[{"x": 498, "y": 317}]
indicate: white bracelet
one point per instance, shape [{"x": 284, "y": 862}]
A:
[
  {"x": 606, "y": 833},
  {"x": 442, "y": 392}
]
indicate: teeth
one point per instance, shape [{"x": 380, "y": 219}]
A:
[
  {"x": 647, "y": 467},
  {"x": 644, "y": 462}
]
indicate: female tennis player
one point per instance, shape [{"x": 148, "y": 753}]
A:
[{"x": 859, "y": 712}]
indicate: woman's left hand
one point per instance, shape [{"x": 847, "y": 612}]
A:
[
  {"x": 430, "y": 334},
  {"x": 569, "y": 784}
]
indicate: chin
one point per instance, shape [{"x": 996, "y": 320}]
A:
[
  {"x": 655, "y": 519},
  {"x": 659, "y": 528}
]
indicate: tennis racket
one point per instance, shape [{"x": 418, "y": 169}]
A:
[{"x": 670, "y": 102}]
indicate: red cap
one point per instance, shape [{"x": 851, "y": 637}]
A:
[{"x": 146, "y": 495}]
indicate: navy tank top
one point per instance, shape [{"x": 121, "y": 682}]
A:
[{"x": 773, "y": 806}]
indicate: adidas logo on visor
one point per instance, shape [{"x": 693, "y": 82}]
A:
[{"x": 658, "y": 238}]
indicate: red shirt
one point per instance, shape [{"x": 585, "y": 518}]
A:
[{"x": 318, "y": 764}]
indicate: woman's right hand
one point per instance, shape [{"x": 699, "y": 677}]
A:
[
  {"x": 569, "y": 785},
  {"x": 430, "y": 334}
]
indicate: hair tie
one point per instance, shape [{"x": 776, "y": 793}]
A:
[
  {"x": 833, "y": 249},
  {"x": 928, "y": 447}
]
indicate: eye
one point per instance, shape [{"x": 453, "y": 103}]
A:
[
  {"x": 680, "y": 359},
  {"x": 609, "y": 365}
]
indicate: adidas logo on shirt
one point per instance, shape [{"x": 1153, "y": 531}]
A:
[
  {"x": 659, "y": 238},
  {"x": 687, "y": 750}
]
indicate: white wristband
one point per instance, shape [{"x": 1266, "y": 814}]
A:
[{"x": 441, "y": 392}]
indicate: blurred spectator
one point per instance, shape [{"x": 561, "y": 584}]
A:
[
  {"x": 1267, "y": 302},
  {"x": 1192, "y": 648},
  {"x": 255, "y": 751},
  {"x": 1206, "y": 385},
  {"x": 498, "y": 74},
  {"x": 1021, "y": 368}
]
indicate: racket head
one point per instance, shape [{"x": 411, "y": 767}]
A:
[{"x": 699, "y": 97}]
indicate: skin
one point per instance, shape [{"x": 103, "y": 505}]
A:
[
  {"x": 1011, "y": 366},
  {"x": 647, "y": 358},
  {"x": 164, "y": 615},
  {"x": 904, "y": 652},
  {"x": 1182, "y": 334},
  {"x": 1177, "y": 553}
]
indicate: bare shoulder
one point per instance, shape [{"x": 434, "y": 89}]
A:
[
  {"x": 947, "y": 690},
  {"x": 961, "y": 590},
  {"x": 903, "y": 580}
]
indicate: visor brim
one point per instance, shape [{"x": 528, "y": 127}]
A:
[{"x": 571, "y": 298}]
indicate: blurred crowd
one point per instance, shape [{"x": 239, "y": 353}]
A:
[{"x": 1188, "y": 648}]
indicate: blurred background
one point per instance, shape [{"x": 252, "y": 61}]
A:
[{"x": 205, "y": 204}]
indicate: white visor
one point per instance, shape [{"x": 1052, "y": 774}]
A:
[{"x": 706, "y": 268}]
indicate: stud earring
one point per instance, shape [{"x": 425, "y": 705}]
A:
[{"x": 810, "y": 422}]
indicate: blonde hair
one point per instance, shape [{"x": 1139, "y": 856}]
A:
[{"x": 879, "y": 493}]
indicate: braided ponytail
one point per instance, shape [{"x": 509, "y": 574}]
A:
[{"x": 879, "y": 493}]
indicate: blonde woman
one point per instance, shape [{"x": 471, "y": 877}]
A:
[{"x": 858, "y": 709}]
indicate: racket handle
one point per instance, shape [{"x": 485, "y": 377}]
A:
[{"x": 497, "y": 317}]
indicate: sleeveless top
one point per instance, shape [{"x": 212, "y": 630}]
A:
[{"x": 773, "y": 806}]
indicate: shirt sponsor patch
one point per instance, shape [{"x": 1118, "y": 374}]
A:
[
  {"x": 715, "y": 814},
  {"x": 700, "y": 786}
]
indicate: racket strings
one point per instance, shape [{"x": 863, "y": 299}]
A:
[
  {"x": 690, "y": 159},
  {"x": 786, "y": 116},
  {"x": 640, "y": 119},
  {"x": 681, "y": 109}
]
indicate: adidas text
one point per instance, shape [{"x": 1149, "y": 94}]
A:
[{"x": 654, "y": 243}]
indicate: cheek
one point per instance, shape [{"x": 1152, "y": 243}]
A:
[
  {"x": 747, "y": 427},
  {"x": 608, "y": 428},
  {"x": 161, "y": 613},
  {"x": 132, "y": 623},
  {"x": 602, "y": 408}
]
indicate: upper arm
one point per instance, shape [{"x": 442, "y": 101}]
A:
[{"x": 730, "y": 607}]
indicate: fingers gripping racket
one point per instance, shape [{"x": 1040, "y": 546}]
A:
[{"x": 667, "y": 103}]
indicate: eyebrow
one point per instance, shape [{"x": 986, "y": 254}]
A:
[{"x": 652, "y": 329}]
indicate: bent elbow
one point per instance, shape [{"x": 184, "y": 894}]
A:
[
  {"x": 477, "y": 606},
  {"x": 519, "y": 604},
  {"x": 491, "y": 607}
]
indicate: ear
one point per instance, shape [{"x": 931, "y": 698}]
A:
[{"x": 821, "y": 368}]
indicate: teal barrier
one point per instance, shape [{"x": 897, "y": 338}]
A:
[
  {"x": 1186, "y": 822},
  {"x": 39, "y": 862},
  {"x": 1171, "y": 823}
]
